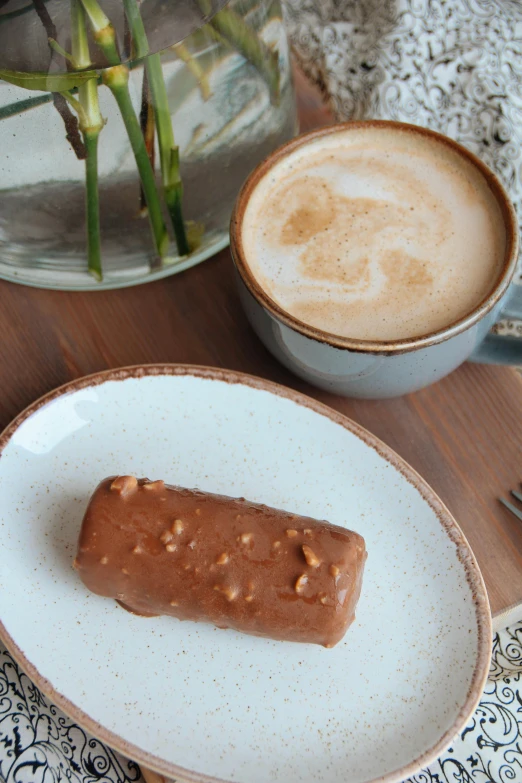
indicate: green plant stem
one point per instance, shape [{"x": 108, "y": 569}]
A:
[
  {"x": 47, "y": 82},
  {"x": 13, "y": 109},
  {"x": 169, "y": 152},
  {"x": 79, "y": 42},
  {"x": 195, "y": 69},
  {"x": 139, "y": 36},
  {"x": 148, "y": 130},
  {"x": 61, "y": 83},
  {"x": 93, "y": 205},
  {"x": 69, "y": 120},
  {"x": 103, "y": 32},
  {"x": 116, "y": 79},
  {"x": 233, "y": 29},
  {"x": 55, "y": 46},
  {"x": 229, "y": 27},
  {"x": 91, "y": 124}
]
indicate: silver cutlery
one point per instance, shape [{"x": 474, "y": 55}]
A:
[{"x": 514, "y": 510}]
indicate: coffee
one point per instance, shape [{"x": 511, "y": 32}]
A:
[{"x": 374, "y": 233}]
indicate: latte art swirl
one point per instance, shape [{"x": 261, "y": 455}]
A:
[{"x": 374, "y": 234}]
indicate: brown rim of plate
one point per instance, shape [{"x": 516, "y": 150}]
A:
[
  {"x": 450, "y": 526},
  {"x": 374, "y": 346}
]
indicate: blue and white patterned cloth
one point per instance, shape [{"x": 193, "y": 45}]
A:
[{"x": 39, "y": 744}]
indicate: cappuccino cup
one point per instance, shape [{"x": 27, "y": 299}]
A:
[{"x": 372, "y": 258}]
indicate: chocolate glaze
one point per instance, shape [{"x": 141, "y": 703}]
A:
[{"x": 159, "y": 549}]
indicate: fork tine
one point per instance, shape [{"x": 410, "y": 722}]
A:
[
  {"x": 512, "y": 508},
  {"x": 517, "y": 495}
]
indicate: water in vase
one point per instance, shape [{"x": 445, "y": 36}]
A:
[{"x": 228, "y": 111}]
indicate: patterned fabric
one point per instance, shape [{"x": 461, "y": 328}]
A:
[
  {"x": 451, "y": 65},
  {"x": 489, "y": 750},
  {"x": 39, "y": 744}
]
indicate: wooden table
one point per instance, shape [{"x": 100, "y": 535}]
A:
[{"x": 463, "y": 435}]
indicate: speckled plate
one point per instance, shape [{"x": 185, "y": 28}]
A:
[{"x": 197, "y": 703}]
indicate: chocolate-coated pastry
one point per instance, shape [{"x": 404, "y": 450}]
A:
[{"x": 159, "y": 549}]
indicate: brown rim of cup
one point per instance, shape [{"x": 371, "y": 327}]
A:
[{"x": 375, "y": 346}]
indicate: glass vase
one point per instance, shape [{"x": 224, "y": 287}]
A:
[{"x": 229, "y": 102}]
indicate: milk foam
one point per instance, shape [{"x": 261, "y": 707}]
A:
[{"x": 374, "y": 234}]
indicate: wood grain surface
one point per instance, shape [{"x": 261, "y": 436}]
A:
[{"x": 463, "y": 435}]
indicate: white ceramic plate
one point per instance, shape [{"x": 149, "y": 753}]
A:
[{"x": 192, "y": 701}]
